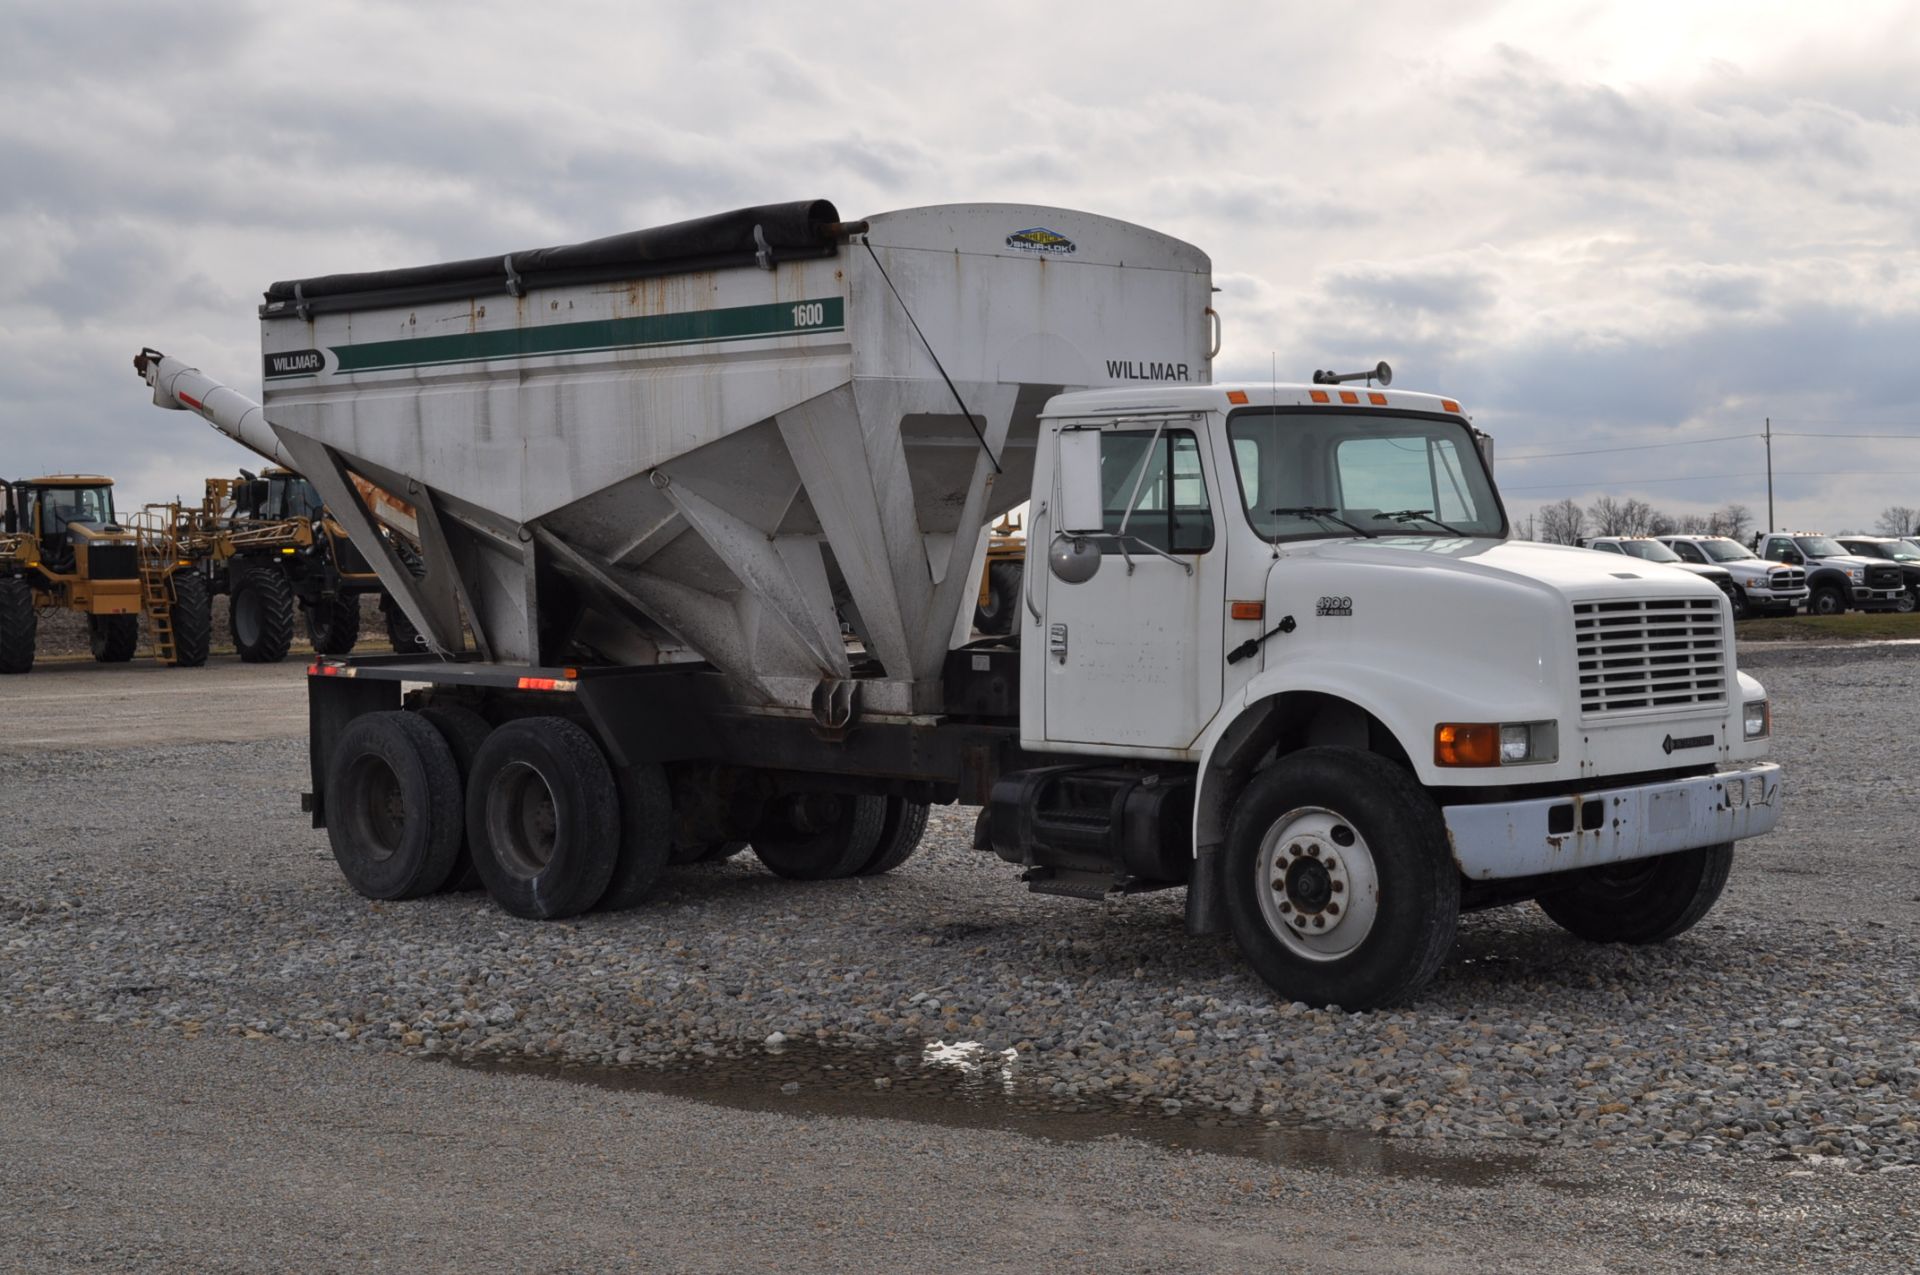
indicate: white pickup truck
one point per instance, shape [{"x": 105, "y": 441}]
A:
[
  {"x": 1759, "y": 587},
  {"x": 1649, "y": 549},
  {"x": 1839, "y": 580}
]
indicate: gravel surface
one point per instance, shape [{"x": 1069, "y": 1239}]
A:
[{"x": 179, "y": 888}]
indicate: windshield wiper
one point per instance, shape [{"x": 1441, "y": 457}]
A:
[
  {"x": 1424, "y": 515},
  {"x": 1325, "y": 514}
]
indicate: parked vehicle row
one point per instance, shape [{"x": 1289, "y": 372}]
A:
[{"x": 1792, "y": 570}]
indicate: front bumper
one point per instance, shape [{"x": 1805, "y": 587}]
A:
[
  {"x": 1525, "y": 838},
  {"x": 1872, "y": 599}
]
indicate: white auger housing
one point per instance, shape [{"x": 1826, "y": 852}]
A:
[{"x": 636, "y": 446}]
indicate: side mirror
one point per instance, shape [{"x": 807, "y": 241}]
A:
[
  {"x": 1081, "y": 508},
  {"x": 1789, "y": 556}
]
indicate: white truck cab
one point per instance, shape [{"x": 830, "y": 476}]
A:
[
  {"x": 1838, "y": 580},
  {"x": 1759, "y": 587}
]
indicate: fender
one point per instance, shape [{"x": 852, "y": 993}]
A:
[
  {"x": 1818, "y": 577},
  {"x": 1403, "y": 705}
]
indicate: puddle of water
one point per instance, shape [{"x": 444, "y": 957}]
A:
[{"x": 965, "y": 1085}]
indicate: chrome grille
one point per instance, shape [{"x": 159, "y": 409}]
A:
[
  {"x": 1650, "y": 653},
  {"x": 1789, "y": 578}
]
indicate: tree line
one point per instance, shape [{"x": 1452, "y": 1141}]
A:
[{"x": 1564, "y": 522}]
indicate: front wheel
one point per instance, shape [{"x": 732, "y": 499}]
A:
[
  {"x": 1906, "y": 603},
  {"x": 260, "y": 613},
  {"x": 19, "y": 626},
  {"x": 1827, "y": 600},
  {"x": 333, "y": 624},
  {"x": 1642, "y": 901},
  {"x": 192, "y": 618},
  {"x": 1340, "y": 889},
  {"x": 1741, "y": 608}
]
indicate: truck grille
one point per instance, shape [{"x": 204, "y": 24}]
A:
[
  {"x": 1649, "y": 653},
  {"x": 1788, "y": 578},
  {"x": 1887, "y": 577},
  {"x": 112, "y": 562}
]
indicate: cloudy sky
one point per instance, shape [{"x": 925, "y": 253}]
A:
[{"x": 1602, "y": 226}]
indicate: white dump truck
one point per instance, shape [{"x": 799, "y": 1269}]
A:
[{"x": 702, "y": 514}]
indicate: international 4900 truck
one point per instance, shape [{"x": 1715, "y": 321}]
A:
[{"x": 701, "y": 514}]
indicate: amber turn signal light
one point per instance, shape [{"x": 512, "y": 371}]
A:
[{"x": 1466, "y": 744}]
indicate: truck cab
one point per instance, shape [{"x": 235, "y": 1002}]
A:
[
  {"x": 1890, "y": 549},
  {"x": 1759, "y": 587},
  {"x": 61, "y": 548},
  {"x": 1837, "y": 580}
]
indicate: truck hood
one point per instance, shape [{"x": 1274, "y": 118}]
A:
[{"x": 1578, "y": 573}]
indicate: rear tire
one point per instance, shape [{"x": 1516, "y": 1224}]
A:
[
  {"x": 19, "y": 626},
  {"x": 646, "y": 835},
  {"x": 465, "y": 731},
  {"x": 333, "y": 625},
  {"x": 840, "y": 836},
  {"x": 260, "y": 614},
  {"x": 1339, "y": 886},
  {"x": 113, "y": 638},
  {"x": 1642, "y": 901},
  {"x": 543, "y": 818},
  {"x": 900, "y": 836},
  {"x": 192, "y": 618},
  {"x": 393, "y": 806}
]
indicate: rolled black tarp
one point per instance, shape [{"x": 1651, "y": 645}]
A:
[{"x": 746, "y": 236}]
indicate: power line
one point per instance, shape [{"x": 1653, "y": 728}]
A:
[
  {"x": 1635, "y": 447},
  {"x": 1787, "y": 433},
  {"x": 1630, "y": 482}
]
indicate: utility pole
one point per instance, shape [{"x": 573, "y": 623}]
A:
[{"x": 1771, "y": 524}]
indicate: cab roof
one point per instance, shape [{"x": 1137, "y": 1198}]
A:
[
  {"x": 66, "y": 480},
  {"x": 1228, "y": 396}
]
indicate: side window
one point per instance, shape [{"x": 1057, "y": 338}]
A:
[
  {"x": 1688, "y": 552},
  {"x": 1172, "y": 511},
  {"x": 1607, "y": 546},
  {"x": 1777, "y": 549}
]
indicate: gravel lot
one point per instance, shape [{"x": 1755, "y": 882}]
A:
[{"x": 177, "y": 887}]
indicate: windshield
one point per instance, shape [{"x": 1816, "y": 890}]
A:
[
  {"x": 1651, "y": 550},
  {"x": 1724, "y": 550},
  {"x": 1388, "y": 474},
  {"x": 1820, "y": 547},
  {"x": 1898, "y": 550},
  {"x": 62, "y": 505}
]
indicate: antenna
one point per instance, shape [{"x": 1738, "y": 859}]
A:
[{"x": 1381, "y": 373}]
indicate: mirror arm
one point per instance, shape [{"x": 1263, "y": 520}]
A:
[
  {"x": 1146, "y": 460},
  {"x": 1148, "y": 545}
]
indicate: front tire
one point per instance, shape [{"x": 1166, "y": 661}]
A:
[
  {"x": 1741, "y": 607},
  {"x": 1642, "y": 901},
  {"x": 113, "y": 638},
  {"x": 393, "y": 806},
  {"x": 260, "y": 614},
  {"x": 1340, "y": 887},
  {"x": 995, "y": 616},
  {"x": 192, "y": 618},
  {"x": 543, "y": 818},
  {"x": 19, "y": 626},
  {"x": 1908, "y": 601},
  {"x": 1827, "y": 600},
  {"x": 333, "y": 625}
]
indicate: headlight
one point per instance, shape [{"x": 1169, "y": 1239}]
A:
[
  {"x": 1755, "y": 584},
  {"x": 1857, "y": 574},
  {"x": 1759, "y": 719},
  {"x": 1495, "y": 743}
]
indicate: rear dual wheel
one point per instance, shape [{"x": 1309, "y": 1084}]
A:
[{"x": 830, "y": 836}]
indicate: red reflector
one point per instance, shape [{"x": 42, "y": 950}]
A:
[
  {"x": 536, "y": 683},
  {"x": 1449, "y": 404},
  {"x": 1348, "y": 396},
  {"x": 1318, "y": 396},
  {"x": 1378, "y": 400},
  {"x": 189, "y": 400},
  {"x": 1238, "y": 397},
  {"x": 1248, "y": 610}
]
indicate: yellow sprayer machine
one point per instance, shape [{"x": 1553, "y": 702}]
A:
[{"x": 62, "y": 549}]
